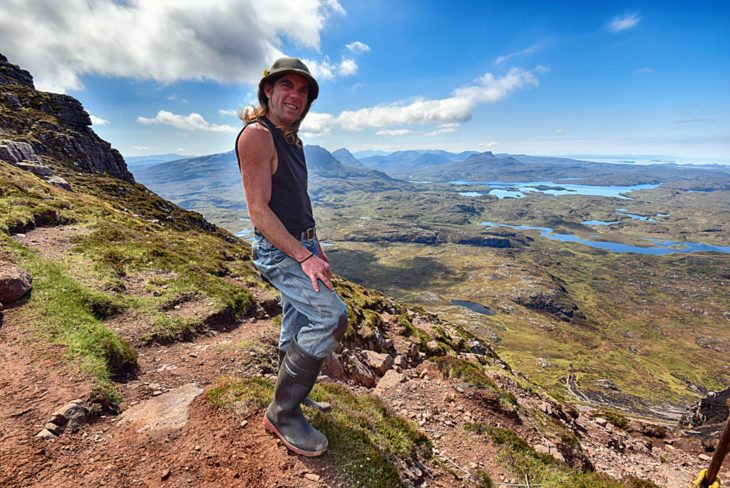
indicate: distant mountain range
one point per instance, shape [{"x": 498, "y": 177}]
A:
[
  {"x": 153, "y": 159},
  {"x": 201, "y": 181},
  {"x": 215, "y": 179}
]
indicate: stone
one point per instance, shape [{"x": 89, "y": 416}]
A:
[
  {"x": 46, "y": 435},
  {"x": 14, "y": 282},
  {"x": 60, "y": 182},
  {"x": 14, "y": 152},
  {"x": 76, "y": 416},
  {"x": 601, "y": 421},
  {"x": 166, "y": 411},
  {"x": 332, "y": 367},
  {"x": 37, "y": 169},
  {"x": 312, "y": 477},
  {"x": 55, "y": 429},
  {"x": 377, "y": 361},
  {"x": 361, "y": 373},
  {"x": 389, "y": 380},
  {"x": 704, "y": 457}
]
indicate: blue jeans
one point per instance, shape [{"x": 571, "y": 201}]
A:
[{"x": 317, "y": 320}]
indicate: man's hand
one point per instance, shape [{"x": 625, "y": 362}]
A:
[
  {"x": 321, "y": 253},
  {"x": 318, "y": 269}
]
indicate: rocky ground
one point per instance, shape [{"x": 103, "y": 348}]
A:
[{"x": 168, "y": 433}]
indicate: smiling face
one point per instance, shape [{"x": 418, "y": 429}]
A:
[{"x": 287, "y": 99}]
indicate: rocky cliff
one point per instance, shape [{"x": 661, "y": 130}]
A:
[{"x": 41, "y": 129}]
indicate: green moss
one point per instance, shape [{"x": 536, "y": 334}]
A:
[
  {"x": 67, "y": 318},
  {"x": 526, "y": 463},
  {"x": 615, "y": 418},
  {"x": 103, "y": 305},
  {"x": 366, "y": 439},
  {"x": 474, "y": 374},
  {"x": 172, "y": 329},
  {"x": 482, "y": 479}
]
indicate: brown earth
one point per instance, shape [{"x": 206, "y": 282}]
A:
[{"x": 157, "y": 441}]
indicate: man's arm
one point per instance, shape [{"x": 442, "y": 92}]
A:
[{"x": 257, "y": 157}]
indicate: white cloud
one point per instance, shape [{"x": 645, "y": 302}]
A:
[
  {"x": 228, "y": 113},
  {"x": 140, "y": 148},
  {"x": 393, "y": 132},
  {"x": 644, "y": 71},
  {"x": 506, "y": 57},
  {"x": 327, "y": 70},
  {"x": 165, "y": 41},
  {"x": 97, "y": 120},
  {"x": 348, "y": 67},
  {"x": 626, "y": 22},
  {"x": 454, "y": 109},
  {"x": 489, "y": 144},
  {"x": 357, "y": 47},
  {"x": 192, "y": 122},
  {"x": 317, "y": 124}
]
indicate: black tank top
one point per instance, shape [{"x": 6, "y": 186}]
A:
[{"x": 289, "y": 198}]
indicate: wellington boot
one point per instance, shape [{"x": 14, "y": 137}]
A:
[
  {"x": 284, "y": 417},
  {"x": 323, "y": 407}
]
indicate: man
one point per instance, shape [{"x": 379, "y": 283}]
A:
[{"x": 286, "y": 249}]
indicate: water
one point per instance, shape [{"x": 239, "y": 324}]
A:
[
  {"x": 658, "y": 247},
  {"x": 501, "y": 189},
  {"x": 473, "y": 306},
  {"x": 599, "y": 222}
]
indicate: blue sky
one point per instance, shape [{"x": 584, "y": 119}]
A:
[{"x": 551, "y": 78}]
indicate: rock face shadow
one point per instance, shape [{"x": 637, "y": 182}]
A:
[{"x": 417, "y": 273}]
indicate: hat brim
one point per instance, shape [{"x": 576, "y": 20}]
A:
[{"x": 313, "y": 85}]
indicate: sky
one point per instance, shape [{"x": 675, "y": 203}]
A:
[{"x": 601, "y": 77}]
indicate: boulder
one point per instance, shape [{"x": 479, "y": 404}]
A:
[
  {"x": 60, "y": 182},
  {"x": 14, "y": 282},
  {"x": 377, "y": 361},
  {"x": 37, "y": 169},
  {"x": 361, "y": 373},
  {"x": 15, "y": 152},
  {"x": 74, "y": 413}
]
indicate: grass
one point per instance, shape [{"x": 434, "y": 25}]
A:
[
  {"x": 542, "y": 469},
  {"x": 367, "y": 441},
  {"x": 474, "y": 374},
  {"x": 68, "y": 315}
]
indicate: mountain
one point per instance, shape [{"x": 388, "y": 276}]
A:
[
  {"x": 201, "y": 181},
  {"x": 48, "y": 129},
  {"x": 153, "y": 159},
  {"x": 403, "y": 162},
  {"x": 346, "y": 157},
  {"x": 488, "y": 167}
]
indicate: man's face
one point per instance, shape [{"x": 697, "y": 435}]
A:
[{"x": 287, "y": 99}]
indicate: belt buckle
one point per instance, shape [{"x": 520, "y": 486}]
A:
[{"x": 309, "y": 233}]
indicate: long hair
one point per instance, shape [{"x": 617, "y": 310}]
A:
[{"x": 249, "y": 115}]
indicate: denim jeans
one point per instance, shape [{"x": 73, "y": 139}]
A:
[{"x": 316, "y": 319}]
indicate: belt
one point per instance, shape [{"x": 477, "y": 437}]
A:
[{"x": 310, "y": 233}]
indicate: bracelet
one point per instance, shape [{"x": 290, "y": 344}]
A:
[{"x": 310, "y": 255}]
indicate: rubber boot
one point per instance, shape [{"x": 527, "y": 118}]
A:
[
  {"x": 323, "y": 407},
  {"x": 284, "y": 417}
]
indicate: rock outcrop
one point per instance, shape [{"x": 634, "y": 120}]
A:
[
  {"x": 710, "y": 410},
  {"x": 56, "y": 127}
]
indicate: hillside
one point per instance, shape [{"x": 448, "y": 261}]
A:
[{"x": 139, "y": 345}]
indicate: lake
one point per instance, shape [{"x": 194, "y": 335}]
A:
[
  {"x": 656, "y": 247},
  {"x": 501, "y": 189}
]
